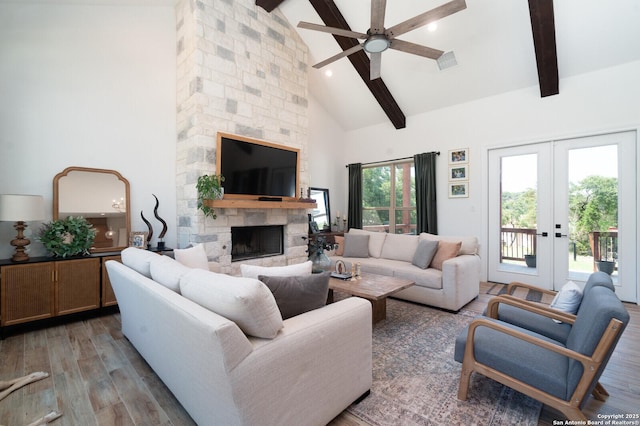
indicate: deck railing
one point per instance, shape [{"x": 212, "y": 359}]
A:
[
  {"x": 604, "y": 246},
  {"x": 516, "y": 242}
]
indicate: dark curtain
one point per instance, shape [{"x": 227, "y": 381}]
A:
[
  {"x": 427, "y": 217},
  {"x": 354, "y": 219}
]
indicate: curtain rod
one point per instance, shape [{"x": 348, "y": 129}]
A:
[{"x": 395, "y": 159}]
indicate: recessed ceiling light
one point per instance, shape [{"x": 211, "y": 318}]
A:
[
  {"x": 328, "y": 73},
  {"x": 432, "y": 27}
]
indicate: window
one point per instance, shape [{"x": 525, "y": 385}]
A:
[{"x": 389, "y": 198}]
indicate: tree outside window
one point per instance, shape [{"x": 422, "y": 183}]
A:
[{"x": 389, "y": 198}]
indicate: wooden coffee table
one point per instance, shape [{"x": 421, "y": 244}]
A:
[{"x": 374, "y": 288}]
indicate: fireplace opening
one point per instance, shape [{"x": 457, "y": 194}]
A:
[{"x": 252, "y": 242}]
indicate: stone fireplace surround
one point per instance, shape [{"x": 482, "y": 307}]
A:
[
  {"x": 243, "y": 71},
  {"x": 218, "y": 238}
]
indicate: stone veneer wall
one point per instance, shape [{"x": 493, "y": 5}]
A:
[{"x": 240, "y": 70}]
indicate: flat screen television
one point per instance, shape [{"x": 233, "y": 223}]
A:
[{"x": 253, "y": 168}]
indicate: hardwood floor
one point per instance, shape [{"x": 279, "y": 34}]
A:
[{"x": 98, "y": 378}]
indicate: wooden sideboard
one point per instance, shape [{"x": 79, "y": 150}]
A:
[{"x": 47, "y": 287}]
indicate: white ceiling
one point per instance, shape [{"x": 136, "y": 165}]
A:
[{"x": 491, "y": 40}]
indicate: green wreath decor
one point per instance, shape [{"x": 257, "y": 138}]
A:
[{"x": 68, "y": 237}]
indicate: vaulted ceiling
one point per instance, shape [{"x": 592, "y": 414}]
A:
[{"x": 500, "y": 46}]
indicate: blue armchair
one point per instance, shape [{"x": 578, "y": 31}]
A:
[{"x": 558, "y": 369}]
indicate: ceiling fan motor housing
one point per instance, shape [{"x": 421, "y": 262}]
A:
[{"x": 376, "y": 43}]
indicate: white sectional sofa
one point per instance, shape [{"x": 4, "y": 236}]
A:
[
  {"x": 450, "y": 285},
  {"x": 303, "y": 370}
]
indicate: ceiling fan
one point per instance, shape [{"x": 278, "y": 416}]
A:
[{"x": 378, "y": 38}]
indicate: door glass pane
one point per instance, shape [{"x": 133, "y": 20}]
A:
[
  {"x": 376, "y": 187},
  {"x": 593, "y": 209},
  {"x": 405, "y": 222},
  {"x": 518, "y": 213},
  {"x": 405, "y": 185},
  {"x": 375, "y": 220}
]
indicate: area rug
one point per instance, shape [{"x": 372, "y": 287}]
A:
[
  {"x": 415, "y": 378},
  {"x": 523, "y": 293}
]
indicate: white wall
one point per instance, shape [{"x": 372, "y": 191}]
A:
[
  {"x": 92, "y": 86},
  {"x": 587, "y": 104},
  {"x": 327, "y": 156}
]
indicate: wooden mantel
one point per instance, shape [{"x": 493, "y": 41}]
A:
[{"x": 256, "y": 204}]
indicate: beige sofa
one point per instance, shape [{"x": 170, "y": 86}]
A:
[
  {"x": 304, "y": 370},
  {"x": 452, "y": 287}
]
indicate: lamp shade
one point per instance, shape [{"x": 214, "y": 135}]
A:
[{"x": 15, "y": 207}]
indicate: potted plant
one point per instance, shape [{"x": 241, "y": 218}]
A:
[
  {"x": 605, "y": 265},
  {"x": 320, "y": 261},
  {"x": 607, "y": 261},
  {"x": 209, "y": 187},
  {"x": 68, "y": 237},
  {"x": 530, "y": 260}
]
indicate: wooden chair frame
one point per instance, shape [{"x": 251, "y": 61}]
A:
[
  {"x": 512, "y": 286},
  {"x": 570, "y": 408}
]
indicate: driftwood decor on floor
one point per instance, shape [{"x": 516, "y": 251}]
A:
[{"x": 9, "y": 386}]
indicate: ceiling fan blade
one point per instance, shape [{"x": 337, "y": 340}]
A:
[
  {"x": 416, "y": 49},
  {"x": 342, "y": 54},
  {"x": 377, "y": 16},
  {"x": 331, "y": 30},
  {"x": 376, "y": 62},
  {"x": 427, "y": 17}
]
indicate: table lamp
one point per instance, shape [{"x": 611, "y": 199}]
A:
[{"x": 20, "y": 209}]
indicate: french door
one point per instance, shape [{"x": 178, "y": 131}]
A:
[{"x": 558, "y": 208}]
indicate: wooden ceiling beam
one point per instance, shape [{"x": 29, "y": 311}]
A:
[
  {"x": 268, "y": 5},
  {"x": 544, "y": 42},
  {"x": 332, "y": 17}
]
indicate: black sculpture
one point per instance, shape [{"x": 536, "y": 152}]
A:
[
  {"x": 164, "y": 224},
  {"x": 150, "y": 229}
]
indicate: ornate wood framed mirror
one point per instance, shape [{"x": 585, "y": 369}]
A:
[{"x": 102, "y": 197}]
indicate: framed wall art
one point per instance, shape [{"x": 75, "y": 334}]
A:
[
  {"x": 459, "y": 190},
  {"x": 458, "y": 172},
  {"x": 459, "y": 156}
]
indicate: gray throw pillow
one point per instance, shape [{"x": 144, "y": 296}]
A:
[
  {"x": 424, "y": 253},
  {"x": 356, "y": 245},
  {"x": 298, "y": 294}
]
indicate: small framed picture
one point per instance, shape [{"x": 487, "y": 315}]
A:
[
  {"x": 341, "y": 268},
  {"x": 458, "y": 172},
  {"x": 138, "y": 239},
  {"x": 459, "y": 190},
  {"x": 459, "y": 156}
]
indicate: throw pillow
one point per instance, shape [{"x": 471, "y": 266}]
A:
[
  {"x": 192, "y": 257},
  {"x": 356, "y": 245},
  {"x": 297, "y": 295},
  {"x": 167, "y": 271},
  {"x": 469, "y": 244},
  {"x": 340, "y": 243},
  {"x": 245, "y": 301},
  {"x": 568, "y": 298},
  {"x": 376, "y": 241},
  {"x": 139, "y": 260},
  {"x": 399, "y": 247},
  {"x": 424, "y": 253},
  {"x": 253, "y": 271},
  {"x": 446, "y": 250}
]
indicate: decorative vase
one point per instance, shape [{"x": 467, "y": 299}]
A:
[{"x": 320, "y": 262}]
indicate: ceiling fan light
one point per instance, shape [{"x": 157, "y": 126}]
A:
[{"x": 376, "y": 43}]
